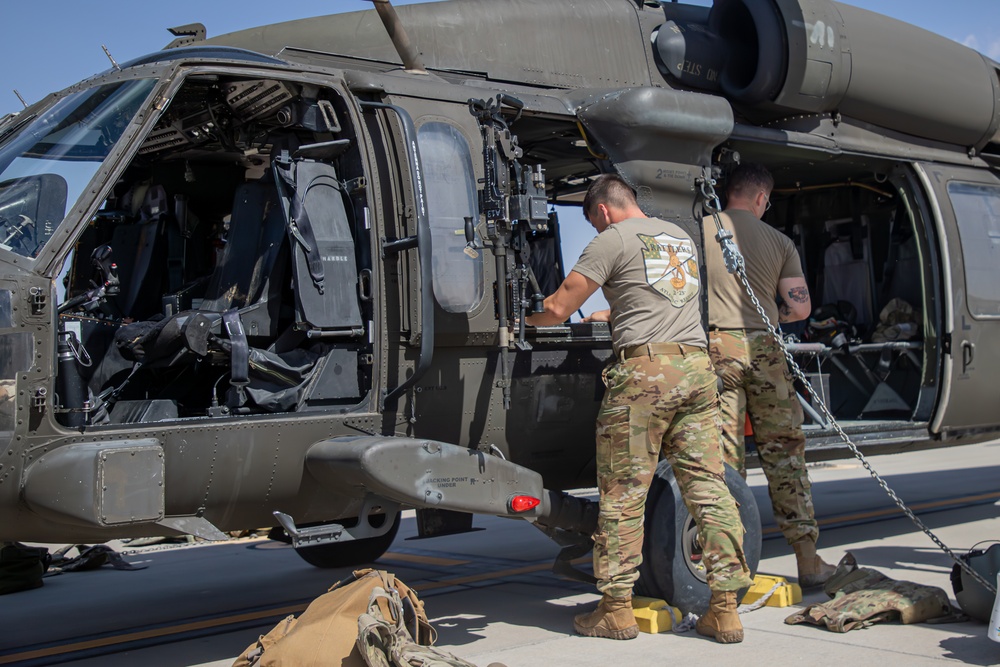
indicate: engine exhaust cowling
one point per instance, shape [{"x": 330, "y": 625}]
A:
[{"x": 817, "y": 56}]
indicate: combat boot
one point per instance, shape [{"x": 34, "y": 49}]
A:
[
  {"x": 722, "y": 621},
  {"x": 813, "y": 570},
  {"x": 613, "y": 619}
]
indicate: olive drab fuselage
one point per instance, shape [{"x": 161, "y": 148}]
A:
[{"x": 274, "y": 271}]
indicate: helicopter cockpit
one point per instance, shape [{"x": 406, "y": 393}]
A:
[{"x": 180, "y": 293}]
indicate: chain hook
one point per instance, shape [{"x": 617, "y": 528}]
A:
[
  {"x": 730, "y": 251},
  {"x": 706, "y": 184}
]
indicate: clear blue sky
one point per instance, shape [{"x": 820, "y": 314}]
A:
[{"x": 50, "y": 44}]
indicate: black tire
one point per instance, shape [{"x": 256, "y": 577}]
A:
[
  {"x": 353, "y": 552},
  {"x": 671, "y": 567}
]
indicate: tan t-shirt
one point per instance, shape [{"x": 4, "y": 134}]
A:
[
  {"x": 648, "y": 270},
  {"x": 769, "y": 256}
]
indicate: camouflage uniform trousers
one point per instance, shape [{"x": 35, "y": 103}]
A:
[
  {"x": 668, "y": 403},
  {"x": 756, "y": 378}
]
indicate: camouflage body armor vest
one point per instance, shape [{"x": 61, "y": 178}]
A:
[{"x": 863, "y": 596}]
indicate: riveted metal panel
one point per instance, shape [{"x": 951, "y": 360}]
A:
[
  {"x": 131, "y": 484},
  {"x": 98, "y": 483},
  {"x": 570, "y": 43}
]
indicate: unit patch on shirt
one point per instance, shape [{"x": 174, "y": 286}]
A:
[{"x": 671, "y": 267}]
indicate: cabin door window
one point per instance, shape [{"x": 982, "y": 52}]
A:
[
  {"x": 451, "y": 197},
  {"x": 977, "y": 211}
]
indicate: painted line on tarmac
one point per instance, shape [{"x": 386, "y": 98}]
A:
[
  {"x": 159, "y": 634},
  {"x": 153, "y": 633},
  {"x": 475, "y": 578},
  {"x": 421, "y": 560},
  {"x": 894, "y": 512}
]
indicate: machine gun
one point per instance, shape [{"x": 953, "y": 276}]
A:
[{"x": 512, "y": 205}]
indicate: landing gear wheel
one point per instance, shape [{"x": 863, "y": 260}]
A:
[
  {"x": 353, "y": 552},
  {"x": 672, "y": 567}
]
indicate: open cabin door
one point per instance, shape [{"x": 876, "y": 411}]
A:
[
  {"x": 399, "y": 214},
  {"x": 967, "y": 216}
]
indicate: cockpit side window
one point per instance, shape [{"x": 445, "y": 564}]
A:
[
  {"x": 451, "y": 197},
  {"x": 977, "y": 211},
  {"x": 46, "y": 166}
]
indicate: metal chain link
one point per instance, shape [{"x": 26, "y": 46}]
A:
[{"x": 739, "y": 268}]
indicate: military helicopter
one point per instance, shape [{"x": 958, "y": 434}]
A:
[{"x": 281, "y": 275}]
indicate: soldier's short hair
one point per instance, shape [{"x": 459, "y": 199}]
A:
[
  {"x": 747, "y": 178},
  {"x": 610, "y": 190}
]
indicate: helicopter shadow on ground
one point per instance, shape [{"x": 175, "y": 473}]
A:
[
  {"x": 971, "y": 649},
  {"x": 926, "y": 559},
  {"x": 859, "y": 501},
  {"x": 538, "y": 610}
]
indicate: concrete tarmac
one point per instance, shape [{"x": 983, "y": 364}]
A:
[{"x": 492, "y": 597}]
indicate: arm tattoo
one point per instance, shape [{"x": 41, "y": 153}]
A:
[{"x": 799, "y": 294}]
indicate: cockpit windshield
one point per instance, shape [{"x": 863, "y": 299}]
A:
[{"x": 50, "y": 157}]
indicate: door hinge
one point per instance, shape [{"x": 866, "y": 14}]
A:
[
  {"x": 946, "y": 343},
  {"x": 39, "y": 398},
  {"x": 37, "y": 300}
]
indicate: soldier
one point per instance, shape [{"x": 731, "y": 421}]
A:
[
  {"x": 754, "y": 372},
  {"x": 661, "y": 396}
]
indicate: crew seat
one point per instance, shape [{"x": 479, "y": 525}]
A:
[
  {"x": 323, "y": 250},
  {"x": 290, "y": 224},
  {"x": 251, "y": 268},
  {"x": 140, "y": 251},
  {"x": 241, "y": 301}
]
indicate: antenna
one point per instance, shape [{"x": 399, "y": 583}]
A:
[
  {"x": 186, "y": 35},
  {"x": 111, "y": 58},
  {"x": 20, "y": 98}
]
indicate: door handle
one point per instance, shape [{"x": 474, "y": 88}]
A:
[
  {"x": 968, "y": 354},
  {"x": 365, "y": 284}
]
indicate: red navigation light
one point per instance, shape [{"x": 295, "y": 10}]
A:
[{"x": 520, "y": 504}]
